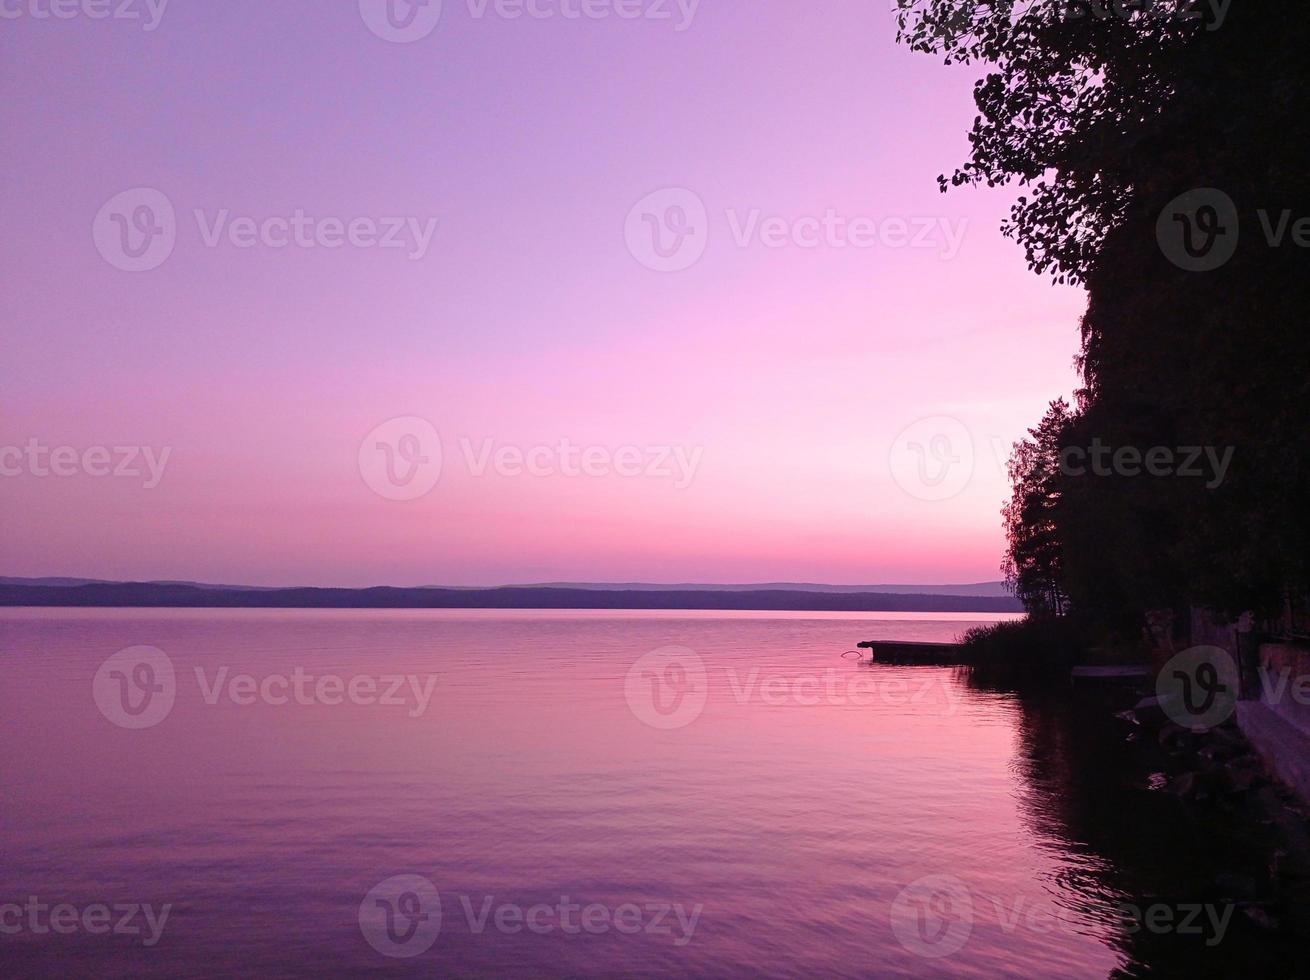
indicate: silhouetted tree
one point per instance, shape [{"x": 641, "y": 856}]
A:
[
  {"x": 1105, "y": 115},
  {"x": 1034, "y": 566},
  {"x": 1070, "y": 109}
]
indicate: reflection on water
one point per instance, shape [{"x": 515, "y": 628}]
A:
[
  {"x": 769, "y": 808},
  {"x": 1181, "y": 881}
]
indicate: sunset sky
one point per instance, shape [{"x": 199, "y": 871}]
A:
[{"x": 785, "y": 372}]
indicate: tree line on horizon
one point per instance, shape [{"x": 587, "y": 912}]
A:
[{"x": 1163, "y": 162}]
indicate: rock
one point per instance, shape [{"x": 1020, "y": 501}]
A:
[
  {"x": 1268, "y": 800},
  {"x": 1151, "y": 710},
  {"x": 1261, "y": 918},
  {"x": 1175, "y": 738},
  {"x": 1242, "y": 774},
  {"x": 1216, "y": 753},
  {"x": 1236, "y": 886},
  {"x": 1240, "y": 780},
  {"x": 1229, "y": 735},
  {"x": 1289, "y": 867},
  {"x": 1183, "y": 785}
]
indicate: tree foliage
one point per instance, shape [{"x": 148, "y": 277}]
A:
[
  {"x": 1103, "y": 120},
  {"x": 1069, "y": 110},
  {"x": 1034, "y": 564}
]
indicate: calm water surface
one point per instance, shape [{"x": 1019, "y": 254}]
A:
[{"x": 777, "y": 819}]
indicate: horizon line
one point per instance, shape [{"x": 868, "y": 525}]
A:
[{"x": 629, "y": 585}]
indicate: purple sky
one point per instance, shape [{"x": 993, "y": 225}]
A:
[{"x": 739, "y": 419}]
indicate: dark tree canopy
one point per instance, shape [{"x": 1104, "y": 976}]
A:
[
  {"x": 1104, "y": 120},
  {"x": 1034, "y": 563},
  {"x": 1069, "y": 109}
]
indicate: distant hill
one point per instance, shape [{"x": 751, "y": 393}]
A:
[
  {"x": 185, "y": 595},
  {"x": 63, "y": 583},
  {"x": 51, "y": 582},
  {"x": 993, "y": 589}
]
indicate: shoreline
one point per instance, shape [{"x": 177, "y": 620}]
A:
[{"x": 149, "y": 596}]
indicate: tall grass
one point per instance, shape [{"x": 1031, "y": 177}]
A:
[{"x": 1036, "y": 649}]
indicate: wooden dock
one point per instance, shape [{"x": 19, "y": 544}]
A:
[
  {"x": 1115, "y": 674},
  {"x": 915, "y": 653}
]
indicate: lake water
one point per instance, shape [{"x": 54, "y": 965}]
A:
[{"x": 523, "y": 793}]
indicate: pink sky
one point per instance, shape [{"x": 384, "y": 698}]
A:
[{"x": 787, "y": 372}]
